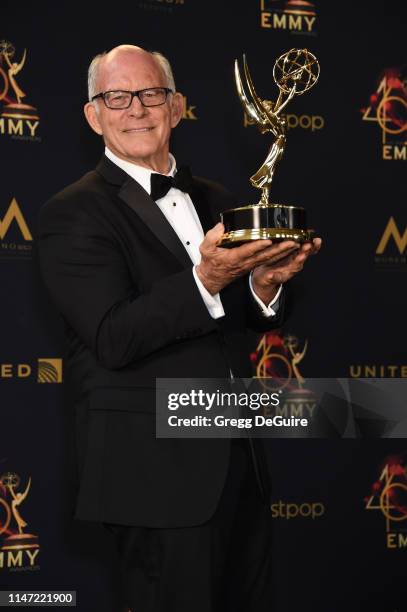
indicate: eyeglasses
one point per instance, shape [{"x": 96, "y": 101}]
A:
[{"x": 119, "y": 99}]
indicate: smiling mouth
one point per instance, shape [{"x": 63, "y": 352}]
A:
[{"x": 145, "y": 129}]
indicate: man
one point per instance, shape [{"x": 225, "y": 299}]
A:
[{"x": 145, "y": 294}]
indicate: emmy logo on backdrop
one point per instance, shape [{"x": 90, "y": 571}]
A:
[
  {"x": 20, "y": 540},
  {"x": 277, "y": 362},
  {"x": 9, "y": 69}
]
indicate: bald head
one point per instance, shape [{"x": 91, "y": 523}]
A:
[
  {"x": 125, "y": 55},
  {"x": 138, "y": 133}
]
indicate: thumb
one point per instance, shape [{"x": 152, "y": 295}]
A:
[{"x": 213, "y": 236}]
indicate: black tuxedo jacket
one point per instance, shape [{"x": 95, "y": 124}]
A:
[{"x": 123, "y": 283}]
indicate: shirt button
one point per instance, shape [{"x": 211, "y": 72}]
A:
[
  {"x": 188, "y": 243},
  {"x": 174, "y": 203}
]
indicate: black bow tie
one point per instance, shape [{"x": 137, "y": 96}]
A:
[{"x": 161, "y": 184}]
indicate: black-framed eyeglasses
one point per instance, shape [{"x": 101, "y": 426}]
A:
[{"x": 120, "y": 99}]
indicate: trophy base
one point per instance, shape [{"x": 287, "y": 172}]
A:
[
  {"x": 275, "y": 222},
  {"x": 239, "y": 237}
]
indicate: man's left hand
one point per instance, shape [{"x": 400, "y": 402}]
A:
[{"x": 268, "y": 276}]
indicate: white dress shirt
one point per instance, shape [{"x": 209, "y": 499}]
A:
[{"x": 178, "y": 209}]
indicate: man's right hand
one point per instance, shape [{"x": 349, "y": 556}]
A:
[{"x": 220, "y": 266}]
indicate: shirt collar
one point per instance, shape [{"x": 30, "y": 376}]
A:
[{"x": 139, "y": 173}]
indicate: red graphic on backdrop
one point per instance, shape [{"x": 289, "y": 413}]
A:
[
  {"x": 388, "y": 108},
  {"x": 389, "y": 496},
  {"x": 276, "y": 360}
]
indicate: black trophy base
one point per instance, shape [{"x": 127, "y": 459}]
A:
[{"x": 276, "y": 222}]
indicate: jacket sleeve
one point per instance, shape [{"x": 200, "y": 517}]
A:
[
  {"x": 256, "y": 320},
  {"x": 87, "y": 277}
]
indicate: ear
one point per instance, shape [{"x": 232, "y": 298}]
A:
[
  {"x": 177, "y": 108},
  {"x": 92, "y": 117}
]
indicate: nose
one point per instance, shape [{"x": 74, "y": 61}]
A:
[{"x": 136, "y": 108}]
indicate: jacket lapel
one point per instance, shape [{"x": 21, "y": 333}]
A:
[
  {"x": 206, "y": 214},
  {"x": 132, "y": 194}
]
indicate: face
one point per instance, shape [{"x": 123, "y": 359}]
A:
[{"x": 137, "y": 134}]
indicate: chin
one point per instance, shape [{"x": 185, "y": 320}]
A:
[{"x": 144, "y": 152}]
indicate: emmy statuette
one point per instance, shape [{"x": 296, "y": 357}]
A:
[{"x": 295, "y": 72}]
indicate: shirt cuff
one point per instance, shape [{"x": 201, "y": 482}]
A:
[
  {"x": 212, "y": 302},
  {"x": 272, "y": 309}
]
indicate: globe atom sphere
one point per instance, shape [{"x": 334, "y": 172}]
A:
[{"x": 297, "y": 68}]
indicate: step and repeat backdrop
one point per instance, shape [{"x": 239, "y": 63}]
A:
[{"x": 339, "y": 506}]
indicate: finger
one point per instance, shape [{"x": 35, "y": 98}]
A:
[
  {"x": 296, "y": 256},
  {"x": 287, "y": 268},
  {"x": 276, "y": 249},
  {"x": 281, "y": 259},
  {"x": 279, "y": 277},
  {"x": 301, "y": 257},
  {"x": 216, "y": 232},
  {"x": 274, "y": 253},
  {"x": 213, "y": 236},
  {"x": 316, "y": 243},
  {"x": 311, "y": 248},
  {"x": 260, "y": 260},
  {"x": 306, "y": 247},
  {"x": 251, "y": 248}
]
